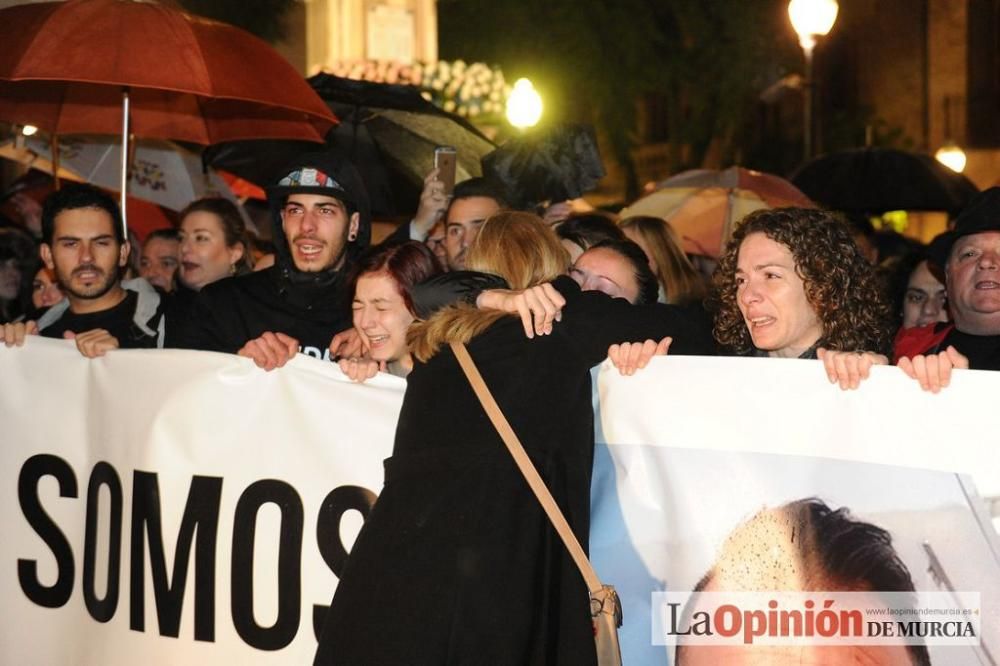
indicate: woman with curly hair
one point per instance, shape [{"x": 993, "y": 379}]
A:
[{"x": 793, "y": 284}]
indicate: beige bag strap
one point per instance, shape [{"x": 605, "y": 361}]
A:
[{"x": 525, "y": 465}]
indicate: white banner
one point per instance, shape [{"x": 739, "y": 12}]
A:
[
  {"x": 142, "y": 446},
  {"x": 170, "y": 507},
  {"x": 701, "y": 445}
]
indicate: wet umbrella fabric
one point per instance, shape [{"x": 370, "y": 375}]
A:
[
  {"x": 37, "y": 185},
  {"x": 142, "y": 68},
  {"x": 557, "y": 164},
  {"x": 388, "y": 132},
  {"x": 704, "y": 205},
  {"x": 876, "y": 180},
  {"x": 64, "y": 64},
  {"x": 162, "y": 172}
]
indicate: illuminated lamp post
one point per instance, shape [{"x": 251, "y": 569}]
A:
[
  {"x": 811, "y": 19},
  {"x": 524, "y": 105},
  {"x": 950, "y": 154}
]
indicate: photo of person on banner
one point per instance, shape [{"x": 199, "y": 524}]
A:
[{"x": 805, "y": 545}]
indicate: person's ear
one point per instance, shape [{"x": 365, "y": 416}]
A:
[
  {"x": 46, "y": 253},
  {"x": 236, "y": 252},
  {"x": 123, "y": 253},
  {"x": 352, "y": 231}
]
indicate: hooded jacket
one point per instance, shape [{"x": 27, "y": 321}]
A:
[
  {"x": 138, "y": 322},
  {"x": 308, "y": 306}
]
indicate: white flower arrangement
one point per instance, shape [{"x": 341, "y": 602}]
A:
[{"x": 472, "y": 90}]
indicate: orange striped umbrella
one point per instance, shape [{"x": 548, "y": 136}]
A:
[{"x": 703, "y": 205}]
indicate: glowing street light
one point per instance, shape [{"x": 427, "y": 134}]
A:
[
  {"x": 811, "y": 19},
  {"x": 950, "y": 153},
  {"x": 952, "y": 156},
  {"x": 524, "y": 106}
]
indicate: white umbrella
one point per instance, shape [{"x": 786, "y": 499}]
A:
[{"x": 162, "y": 171}]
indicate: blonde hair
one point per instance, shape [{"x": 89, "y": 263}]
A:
[
  {"x": 680, "y": 280},
  {"x": 516, "y": 246}
]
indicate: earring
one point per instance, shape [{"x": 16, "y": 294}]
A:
[
  {"x": 351, "y": 237},
  {"x": 232, "y": 269}
]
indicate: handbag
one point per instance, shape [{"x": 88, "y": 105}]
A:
[{"x": 605, "y": 607}]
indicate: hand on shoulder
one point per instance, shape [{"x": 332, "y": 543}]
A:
[{"x": 539, "y": 307}]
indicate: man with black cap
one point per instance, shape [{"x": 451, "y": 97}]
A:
[
  {"x": 321, "y": 217},
  {"x": 970, "y": 255}
]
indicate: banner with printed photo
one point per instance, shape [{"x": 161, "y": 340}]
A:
[{"x": 704, "y": 448}]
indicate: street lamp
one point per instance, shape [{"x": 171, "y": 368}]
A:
[
  {"x": 524, "y": 106},
  {"x": 811, "y": 19},
  {"x": 950, "y": 154}
]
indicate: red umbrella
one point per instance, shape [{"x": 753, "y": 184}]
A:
[
  {"x": 148, "y": 217},
  {"x": 82, "y": 66},
  {"x": 242, "y": 188},
  {"x": 191, "y": 79}
]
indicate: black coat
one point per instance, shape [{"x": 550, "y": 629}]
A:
[
  {"x": 226, "y": 314},
  {"x": 457, "y": 563},
  {"x": 309, "y": 306}
]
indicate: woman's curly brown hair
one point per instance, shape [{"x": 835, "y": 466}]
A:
[{"x": 840, "y": 284}]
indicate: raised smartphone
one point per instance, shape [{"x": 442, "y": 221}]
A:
[{"x": 444, "y": 162}]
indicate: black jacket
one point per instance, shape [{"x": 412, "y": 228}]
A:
[
  {"x": 310, "y": 307},
  {"x": 691, "y": 325},
  {"x": 229, "y": 313},
  {"x": 138, "y": 322},
  {"x": 457, "y": 563}
]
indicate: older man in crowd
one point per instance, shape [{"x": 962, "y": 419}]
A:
[
  {"x": 971, "y": 259},
  {"x": 161, "y": 255}
]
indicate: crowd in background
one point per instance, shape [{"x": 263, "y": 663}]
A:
[{"x": 845, "y": 288}]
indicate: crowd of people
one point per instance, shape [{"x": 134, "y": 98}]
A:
[
  {"x": 538, "y": 301},
  {"x": 791, "y": 283}
]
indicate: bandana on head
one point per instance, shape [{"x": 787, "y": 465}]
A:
[{"x": 309, "y": 177}]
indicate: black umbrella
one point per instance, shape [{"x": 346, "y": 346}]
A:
[
  {"x": 388, "y": 131},
  {"x": 556, "y": 164},
  {"x": 876, "y": 180}
]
